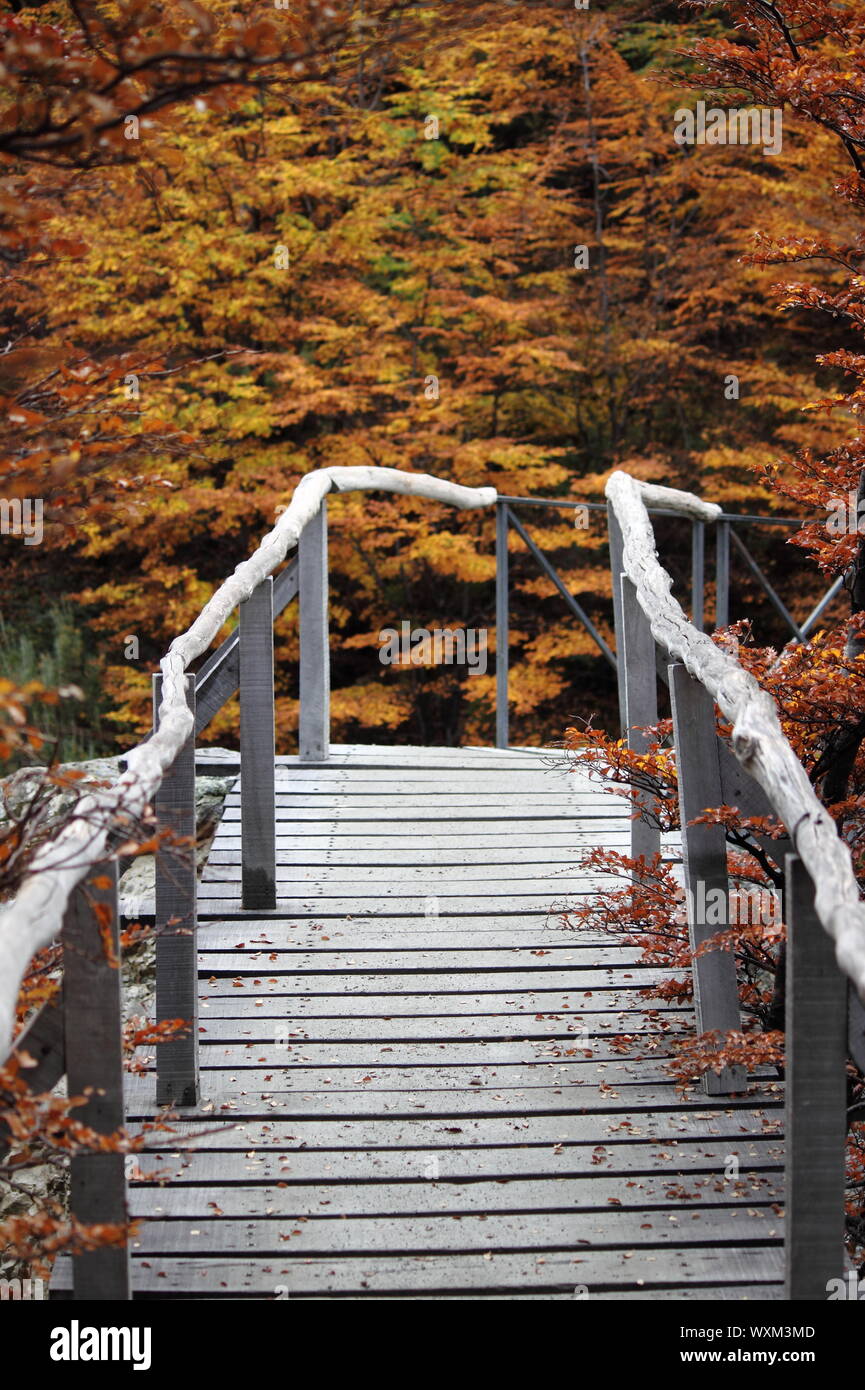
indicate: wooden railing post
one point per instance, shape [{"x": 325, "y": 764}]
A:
[
  {"x": 314, "y": 723},
  {"x": 636, "y": 659},
  {"x": 722, "y": 573},
  {"x": 257, "y": 749},
  {"x": 176, "y": 920},
  {"x": 617, "y": 573},
  {"x": 502, "y": 634},
  {"x": 698, "y": 572},
  {"x": 816, "y": 1096},
  {"x": 92, "y": 1025},
  {"x": 704, "y": 855}
]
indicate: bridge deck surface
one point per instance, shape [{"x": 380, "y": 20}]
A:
[{"x": 414, "y": 1080}]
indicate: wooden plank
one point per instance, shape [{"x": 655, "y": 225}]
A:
[
  {"x": 496, "y": 983},
  {"x": 679, "y": 1158},
  {"x": 518, "y": 1273},
  {"x": 704, "y": 849},
  {"x": 478, "y": 1028},
  {"x": 816, "y": 1109},
  {"x": 414, "y": 884},
  {"x": 554, "y": 770},
  {"x": 378, "y": 874},
  {"x": 221, "y": 1131},
  {"x": 315, "y": 979},
  {"x": 394, "y": 924},
  {"x": 543, "y": 1059},
  {"x": 253, "y": 1096},
  {"x": 314, "y": 727},
  {"x": 319, "y": 780},
  {"x": 554, "y": 767},
  {"x": 412, "y": 833},
  {"x": 284, "y": 934},
  {"x": 447, "y": 931},
  {"x": 220, "y": 900},
  {"x": 373, "y": 758},
  {"x": 93, "y": 1020},
  {"x": 348, "y": 935},
  {"x": 538, "y": 1231},
  {"x": 359, "y": 820},
  {"x": 410, "y": 1011},
  {"x": 384, "y": 1073},
  {"x": 257, "y": 747},
  {"x": 434, "y": 1196},
  {"x": 554, "y": 799},
  {"x": 320, "y": 832},
  {"x": 407, "y": 933},
  {"x": 333, "y": 958},
  {"x": 509, "y": 861},
  {"x": 175, "y": 917}
]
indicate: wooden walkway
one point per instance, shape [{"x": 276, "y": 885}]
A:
[{"x": 411, "y": 1075}]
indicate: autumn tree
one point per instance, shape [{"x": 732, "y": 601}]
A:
[{"x": 506, "y": 273}]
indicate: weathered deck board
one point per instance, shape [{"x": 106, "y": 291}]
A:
[
  {"x": 720, "y": 1272},
  {"x": 661, "y": 1161},
  {"x": 418, "y": 1083}
]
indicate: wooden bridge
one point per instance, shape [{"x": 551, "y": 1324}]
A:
[{"x": 404, "y": 1076}]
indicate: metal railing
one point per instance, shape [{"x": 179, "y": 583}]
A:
[{"x": 727, "y": 529}]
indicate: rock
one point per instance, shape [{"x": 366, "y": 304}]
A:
[
  {"x": 137, "y": 885},
  {"x": 18, "y": 790}
]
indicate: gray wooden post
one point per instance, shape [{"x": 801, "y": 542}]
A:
[
  {"x": 636, "y": 657},
  {"x": 722, "y": 573},
  {"x": 856, "y": 1027},
  {"x": 816, "y": 1097},
  {"x": 314, "y": 724},
  {"x": 93, "y": 1023},
  {"x": 616, "y": 561},
  {"x": 502, "y": 634},
  {"x": 704, "y": 854},
  {"x": 257, "y": 750},
  {"x": 177, "y": 921},
  {"x": 698, "y": 572}
]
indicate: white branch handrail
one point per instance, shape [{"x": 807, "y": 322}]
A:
[
  {"x": 758, "y": 740},
  {"x": 33, "y": 920}
]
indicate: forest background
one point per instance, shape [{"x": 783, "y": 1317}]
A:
[{"x": 377, "y": 260}]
